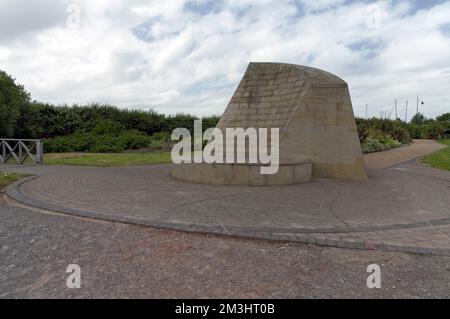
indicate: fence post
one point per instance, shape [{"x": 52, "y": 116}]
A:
[
  {"x": 3, "y": 152},
  {"x": 39, "y": 152},
  {"x": 20, "y": 151}
]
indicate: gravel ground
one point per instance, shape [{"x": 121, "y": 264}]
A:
[{"x": 125, "y": 261}]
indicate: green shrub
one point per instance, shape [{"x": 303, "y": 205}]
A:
[
  {"x": 162, "y": 136},
  {"x": 134, "y": 140},
  {"x": 372, "y": 145},
  {"x": 106, "y": 144},
  {"x": 378, "y": 141},
  {"x": 389, "y": 143},
  {"x": 363, "y": 131},
  {"x": 443, "y": 118},
  {"x": 414, "y": 131},
  {"x": 107, "y": 126},
  {"x": 93, "y": 143},
  {"x": 155, "y": 144},
  {"x": 402, "y": 135},
  {"x": 376, "y": 134},
  {"x": 418, "y": 118},
  {"x": 435, "y": 130}
]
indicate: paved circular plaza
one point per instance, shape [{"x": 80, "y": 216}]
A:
[{"x": 403, "y": 207}]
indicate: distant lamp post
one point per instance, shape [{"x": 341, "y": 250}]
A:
[{"x": 422, "y": 103}]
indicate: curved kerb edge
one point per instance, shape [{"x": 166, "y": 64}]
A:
[{"x": 299, "y": 235}]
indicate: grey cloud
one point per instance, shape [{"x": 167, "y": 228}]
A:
[{"x": 22, "y": 17}]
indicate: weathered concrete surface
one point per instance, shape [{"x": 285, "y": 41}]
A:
[
  {"x": 313, "y": 110},
  {"x": 402, "y": 207},
  {"x": 125, "y": 261},
  {"x": 242, "y": 174}
]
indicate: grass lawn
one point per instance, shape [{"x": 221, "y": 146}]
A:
[
  {"x": 8, "y": 178},
  {"x": 440, "y": 159},
  {"x": 107, "y": 159}
]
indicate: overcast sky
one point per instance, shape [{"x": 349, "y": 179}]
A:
[{"x": 189, "y": 55}]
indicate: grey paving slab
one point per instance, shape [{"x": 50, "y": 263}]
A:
[
  {"x": 125, "y": 261},
  {"x": 395, "y": 199}
]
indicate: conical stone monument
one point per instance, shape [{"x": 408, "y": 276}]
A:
[{"x": 312, "y": 108}]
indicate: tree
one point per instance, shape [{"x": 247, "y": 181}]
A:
[
  {"x": 13, "y": 97},
  {"x": 29, "y": 123},
  {"x": 444, "y": 117},
  {"x": 419, "y": 118}
]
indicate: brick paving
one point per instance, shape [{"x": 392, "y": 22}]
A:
[
  {"x": 127, "y": 261},
  {"x": 403, "y": 206}
]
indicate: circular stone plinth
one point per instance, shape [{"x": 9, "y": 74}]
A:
[
  {"x": 242, "y": 174},
  {"x": 401, "y": 208},
  {"x": 149, "y": 195}
]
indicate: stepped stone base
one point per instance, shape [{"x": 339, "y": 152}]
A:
[{"x": 242, "y": 174}]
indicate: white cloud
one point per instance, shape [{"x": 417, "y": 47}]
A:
[{"x": 159, "y": 54}]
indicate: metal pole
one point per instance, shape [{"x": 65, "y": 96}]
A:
[
  {"x": 396, "y": 114},
  {"x": 406, "y": 113},
  {"x": 417, "y": 110},
  {"x": 366, "y": 110}
]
